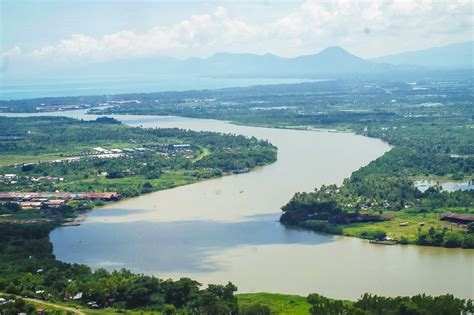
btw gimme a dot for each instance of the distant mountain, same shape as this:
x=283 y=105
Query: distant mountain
x=452 y=56
x=332 y=62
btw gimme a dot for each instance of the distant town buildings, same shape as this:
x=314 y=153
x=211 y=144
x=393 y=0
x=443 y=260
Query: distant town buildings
x=31 y=201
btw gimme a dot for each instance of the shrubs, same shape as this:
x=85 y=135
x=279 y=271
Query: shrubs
x=373 y=304
x=457 y=176
x=418 y=304
x=403 y=240
x=147 y=188
x=468 y=241
x=322 y=226
x=373 y=234
x=438 y=237
x=17 y=306
x=452 y=239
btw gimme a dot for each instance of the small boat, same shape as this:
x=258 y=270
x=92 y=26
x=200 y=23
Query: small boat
x=384 y=242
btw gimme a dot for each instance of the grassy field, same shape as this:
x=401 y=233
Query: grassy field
x=203 y=152
x=279 y=303
x=23 y=215
x=404 y=224
x=48 y=307
x=14 y=158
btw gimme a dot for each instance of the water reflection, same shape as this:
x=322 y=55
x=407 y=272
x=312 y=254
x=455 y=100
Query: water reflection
x=168 y=247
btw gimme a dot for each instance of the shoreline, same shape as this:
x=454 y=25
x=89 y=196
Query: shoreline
x=256 y=125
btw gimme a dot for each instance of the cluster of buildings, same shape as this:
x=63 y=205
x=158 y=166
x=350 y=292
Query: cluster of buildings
x=60 y=107
x=370 y=205
x=121 y=102
x=457 y=218
x=12 y=179
x=8 y=178
x=99 y=152
x=102 y=153
x=31 y=201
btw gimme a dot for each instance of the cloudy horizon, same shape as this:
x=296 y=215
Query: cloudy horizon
x=90 y=31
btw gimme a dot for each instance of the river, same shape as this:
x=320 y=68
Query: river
x=226 y=229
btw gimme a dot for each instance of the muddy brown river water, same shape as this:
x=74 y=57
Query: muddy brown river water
x=226 y=229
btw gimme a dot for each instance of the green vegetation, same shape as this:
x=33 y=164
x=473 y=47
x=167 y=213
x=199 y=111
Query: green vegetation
x=17 y=304
x=428 y=122
x=41 y=138
x=431 y=139
x=98 y=156
x=386 y=186
x=373 y=304
x=267 y=303
x=339 y=210
x=105 y=155
x=270 y=303
x=29 y=268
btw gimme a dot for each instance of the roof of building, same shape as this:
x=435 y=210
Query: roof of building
x=457 y=216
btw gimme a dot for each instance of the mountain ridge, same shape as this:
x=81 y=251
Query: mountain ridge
x=458 y=55
x=331 y=62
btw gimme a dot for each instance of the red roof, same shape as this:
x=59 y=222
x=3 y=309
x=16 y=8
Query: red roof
x=457 y=216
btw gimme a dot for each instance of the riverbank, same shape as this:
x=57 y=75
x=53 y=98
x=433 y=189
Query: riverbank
x=426 y=141
x=243 y=234
x=106 y=156
x=407 y=223
x=412 y=221
x=268 y=304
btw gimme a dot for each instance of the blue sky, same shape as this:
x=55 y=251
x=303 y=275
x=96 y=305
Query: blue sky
x=83 y=31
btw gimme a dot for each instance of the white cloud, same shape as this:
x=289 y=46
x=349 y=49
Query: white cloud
x=196 y=32
x=11 y=53
x=6 y=56
x=365 y=27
